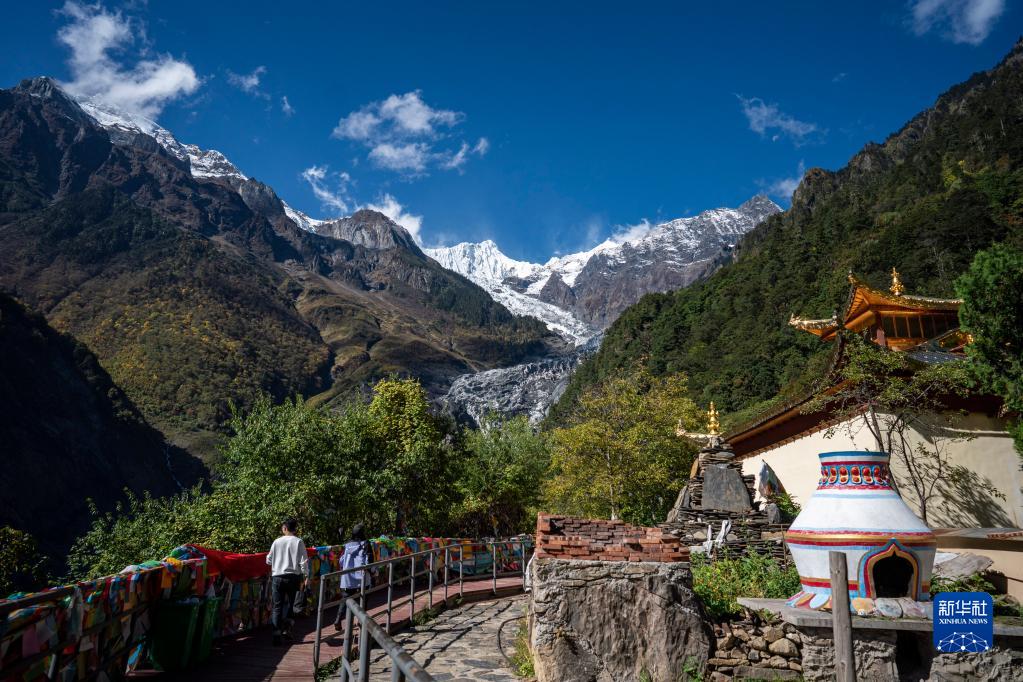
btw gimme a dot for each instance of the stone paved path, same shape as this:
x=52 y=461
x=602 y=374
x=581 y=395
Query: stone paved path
x=460 y=645
x=250 y=658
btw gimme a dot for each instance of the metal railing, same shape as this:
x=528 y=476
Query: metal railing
x=403 y=666
x=426 y=561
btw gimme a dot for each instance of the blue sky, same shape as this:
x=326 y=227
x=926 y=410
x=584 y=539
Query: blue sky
x=544 y=129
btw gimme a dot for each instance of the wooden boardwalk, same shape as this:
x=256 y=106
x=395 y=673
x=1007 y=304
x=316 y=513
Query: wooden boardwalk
x=252 y=657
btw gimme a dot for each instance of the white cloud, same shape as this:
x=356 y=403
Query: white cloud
x=839 y=77
x=248 y=82
x=411 y=157
x=462 y=155
x=782 y=188
x=332 y=189
x=764 y=117
x=391 y=208
x=405 y=134
x=459 y=158
x=632 y=233
x=961 y=21
x=286 y=106
x=93 y=34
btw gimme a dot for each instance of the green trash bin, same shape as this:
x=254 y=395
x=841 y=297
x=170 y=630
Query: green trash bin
x=207 y=627
x=173 y=632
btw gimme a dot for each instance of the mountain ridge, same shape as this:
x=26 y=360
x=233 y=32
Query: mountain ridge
x=222 y=291
x=945 y=185
x=593 y=286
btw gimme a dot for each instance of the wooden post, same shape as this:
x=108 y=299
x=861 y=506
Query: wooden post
x=845 y=662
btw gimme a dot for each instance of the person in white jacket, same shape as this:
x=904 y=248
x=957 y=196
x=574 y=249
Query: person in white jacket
x=289 y=568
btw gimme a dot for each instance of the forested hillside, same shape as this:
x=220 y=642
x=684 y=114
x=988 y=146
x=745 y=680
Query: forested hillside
x=947 y=185
x=68 y=433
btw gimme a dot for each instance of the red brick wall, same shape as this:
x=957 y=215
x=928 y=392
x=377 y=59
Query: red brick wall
x=567 y=537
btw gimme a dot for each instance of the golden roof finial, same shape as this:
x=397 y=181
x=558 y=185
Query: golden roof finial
x=896 y=287
x=713 y=427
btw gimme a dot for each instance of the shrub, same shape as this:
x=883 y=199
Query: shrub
x=22 y=567
x=719 y=583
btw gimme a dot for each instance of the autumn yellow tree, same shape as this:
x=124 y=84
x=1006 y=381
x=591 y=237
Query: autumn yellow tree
x=618 y=455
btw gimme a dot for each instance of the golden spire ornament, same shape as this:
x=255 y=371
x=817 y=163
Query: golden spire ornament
x=713 y=427
x=896 y=287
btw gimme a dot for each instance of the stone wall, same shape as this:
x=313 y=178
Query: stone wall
x=750 y=647
x=566 y=537
x=890 y=656
x=616 y=621
x=753 y=648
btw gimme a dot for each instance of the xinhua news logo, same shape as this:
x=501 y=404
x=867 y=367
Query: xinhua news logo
x=963 y=622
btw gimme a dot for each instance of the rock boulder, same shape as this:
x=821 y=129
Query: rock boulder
x=616 y=621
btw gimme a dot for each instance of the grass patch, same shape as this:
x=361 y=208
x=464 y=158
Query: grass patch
x=328 y=671
x=719 y=583
x=522 y=658
x=425 y=615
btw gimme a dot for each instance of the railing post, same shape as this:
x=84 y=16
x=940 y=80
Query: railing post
x=346 y=647
x=363 y=648
x=493 y=555
x=319 y=627
x=461 y=567
x=362 y=589
x=412 y=589
x=390 y=593
x=447 y=560
x=522 y=545
x=429 y=600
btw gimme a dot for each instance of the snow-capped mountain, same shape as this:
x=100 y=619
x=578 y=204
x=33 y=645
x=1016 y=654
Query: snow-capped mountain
x=124 y=127
x=484 y=264
x=589 y=289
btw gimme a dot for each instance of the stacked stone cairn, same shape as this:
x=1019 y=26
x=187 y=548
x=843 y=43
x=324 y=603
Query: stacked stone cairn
x=718 y=492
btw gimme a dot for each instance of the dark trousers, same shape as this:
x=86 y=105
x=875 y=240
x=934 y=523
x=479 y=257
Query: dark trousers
x=345 y=594
x=283 y=589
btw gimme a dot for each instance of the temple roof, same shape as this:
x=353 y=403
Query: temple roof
x=865 y=301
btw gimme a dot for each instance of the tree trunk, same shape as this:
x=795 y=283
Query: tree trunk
x=875 y=428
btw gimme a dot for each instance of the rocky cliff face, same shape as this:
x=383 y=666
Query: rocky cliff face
x=370 y=229
x=671 y=256
x=529 y=388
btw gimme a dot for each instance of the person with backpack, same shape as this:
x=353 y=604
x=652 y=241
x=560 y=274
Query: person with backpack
x=357 y=552
x=289 y=569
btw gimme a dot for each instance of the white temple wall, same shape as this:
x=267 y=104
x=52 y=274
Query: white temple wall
x=980 y=444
